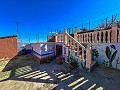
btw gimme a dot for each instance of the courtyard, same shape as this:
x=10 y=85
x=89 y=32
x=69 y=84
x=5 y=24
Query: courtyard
x=25 y=73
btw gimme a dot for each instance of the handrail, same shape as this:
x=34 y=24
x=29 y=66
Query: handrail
x=75 y=40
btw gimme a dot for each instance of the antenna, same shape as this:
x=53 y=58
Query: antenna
x=72 y=29
x=17 y=26
x=29 y=38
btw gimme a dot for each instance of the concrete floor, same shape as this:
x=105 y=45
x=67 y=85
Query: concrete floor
x=59 y=77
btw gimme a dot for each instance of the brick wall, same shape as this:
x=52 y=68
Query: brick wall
x=8 y=47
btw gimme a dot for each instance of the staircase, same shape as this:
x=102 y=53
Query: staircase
x=84 y=53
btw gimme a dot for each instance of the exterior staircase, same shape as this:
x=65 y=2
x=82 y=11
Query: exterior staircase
x=84 y=53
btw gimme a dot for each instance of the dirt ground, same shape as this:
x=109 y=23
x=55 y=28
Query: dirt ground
x=26 y=74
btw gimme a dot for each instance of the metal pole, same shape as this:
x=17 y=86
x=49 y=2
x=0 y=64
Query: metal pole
x=43 y=37
x=57 y=30
x=69 y=30
x=106 y=23
x=51 y=31
x=72 y=29
x=38 y=36
x=89 y=25
x=29 y=38
x=112 y=20
x=82 y=26
x=17 y=26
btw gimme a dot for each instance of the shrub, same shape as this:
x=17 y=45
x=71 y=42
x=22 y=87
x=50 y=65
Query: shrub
x=75 y=63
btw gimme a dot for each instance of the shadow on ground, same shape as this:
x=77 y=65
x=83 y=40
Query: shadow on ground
x=27 y=69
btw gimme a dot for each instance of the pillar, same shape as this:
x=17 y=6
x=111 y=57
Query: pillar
x=104 y=36
x=87 y=38
x=95 y=37
x=100 y=37
x=114 y=35
x=82 y=38
x=108 y=36
x=75 y=35
x=88 y=56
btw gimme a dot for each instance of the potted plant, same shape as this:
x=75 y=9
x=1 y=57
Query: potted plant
x=47 y=59
x=60 y=60
x=74 y=64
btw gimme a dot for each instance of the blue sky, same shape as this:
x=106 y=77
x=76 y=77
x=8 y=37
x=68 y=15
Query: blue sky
x=39 y=15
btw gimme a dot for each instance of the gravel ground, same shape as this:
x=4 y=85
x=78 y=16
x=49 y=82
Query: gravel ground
x=27 y=74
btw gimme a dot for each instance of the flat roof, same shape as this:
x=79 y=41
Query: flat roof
x=8 y=36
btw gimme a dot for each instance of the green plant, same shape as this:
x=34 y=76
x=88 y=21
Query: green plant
x=47 y=60
x=83 y=65
x=74 y=63
x=95 y=54
x=111 y=56
x=68 y=59
x=105 y=63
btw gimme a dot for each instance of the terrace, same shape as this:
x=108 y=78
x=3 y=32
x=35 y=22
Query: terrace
x=25 y=73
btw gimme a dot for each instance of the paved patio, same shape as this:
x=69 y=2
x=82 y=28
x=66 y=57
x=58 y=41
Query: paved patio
x=59 y=77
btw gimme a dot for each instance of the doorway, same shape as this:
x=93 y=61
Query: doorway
x=58 y=50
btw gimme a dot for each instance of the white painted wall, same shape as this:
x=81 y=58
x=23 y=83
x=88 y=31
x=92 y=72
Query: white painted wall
x=36 y=47
x=42 y=48
x=101 y=48
x=28 y=46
